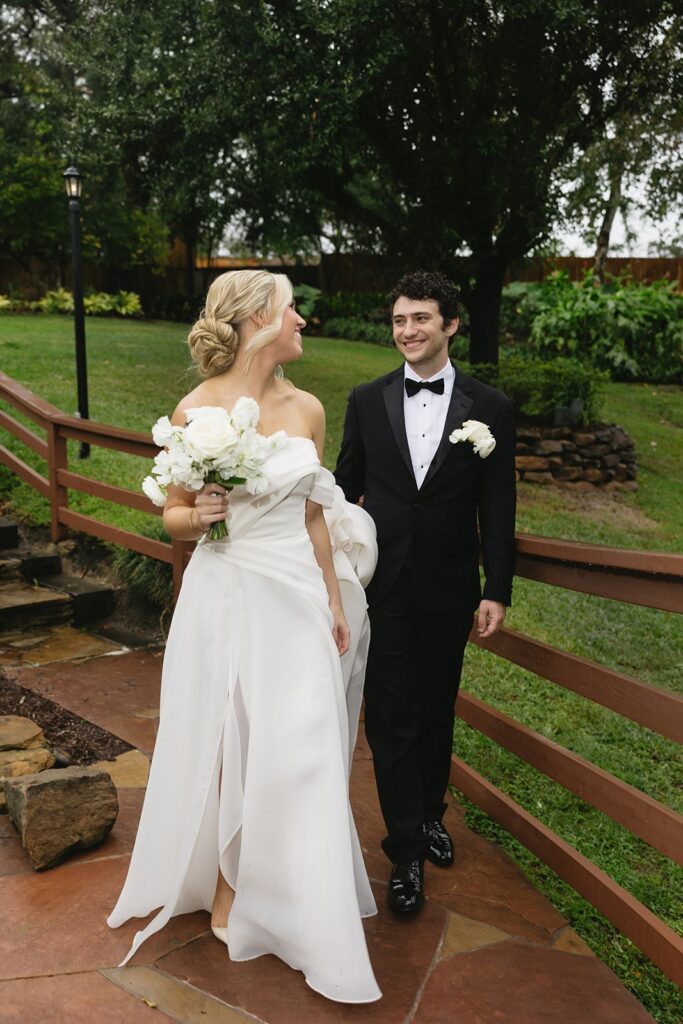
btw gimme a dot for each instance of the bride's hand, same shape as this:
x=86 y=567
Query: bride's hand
x=340 y=631
x=211 y=505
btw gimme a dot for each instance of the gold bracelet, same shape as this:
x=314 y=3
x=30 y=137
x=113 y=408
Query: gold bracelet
x=192 y=526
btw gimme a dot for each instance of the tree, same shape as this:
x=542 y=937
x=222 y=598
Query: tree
x=39 y=89
x=158 y=106
x=638 y=162
x=30 y=163
x=440 y=130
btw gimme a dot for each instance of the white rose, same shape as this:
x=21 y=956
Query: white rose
x=458 y=435
x=164 y=433
x=478 y=434
x=176 y=467
x=153 y=491
x=245 y=414
x=277 y=440
x=476 y=431
x=257 y=485
x=163 y=468
x=209 y=433
x=485 y=447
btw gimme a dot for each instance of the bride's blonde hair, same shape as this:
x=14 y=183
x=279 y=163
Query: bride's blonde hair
x=232 y=299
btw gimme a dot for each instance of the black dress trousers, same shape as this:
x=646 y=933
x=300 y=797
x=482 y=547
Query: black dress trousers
x=412 y=680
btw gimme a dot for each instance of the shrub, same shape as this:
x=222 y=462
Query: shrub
x=633 y=331
x=57 y=301
x=99 y=304
x=537 y=386
x=370 y=306
x=127 y=304
x=179 y=308
x=95 y=303
x=521 y=301
x=358 y=330
x=306 y=297
x=147 y=577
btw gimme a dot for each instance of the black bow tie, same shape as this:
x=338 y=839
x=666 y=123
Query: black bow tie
x=413 y=386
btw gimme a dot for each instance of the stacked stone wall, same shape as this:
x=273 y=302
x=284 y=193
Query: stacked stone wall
x=580 y=458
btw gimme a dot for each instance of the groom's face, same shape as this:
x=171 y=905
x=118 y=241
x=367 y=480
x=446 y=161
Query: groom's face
x=420 y=334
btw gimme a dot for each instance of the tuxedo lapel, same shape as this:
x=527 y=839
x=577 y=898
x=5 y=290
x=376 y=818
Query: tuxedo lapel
x=393 y=399
x=458 y=408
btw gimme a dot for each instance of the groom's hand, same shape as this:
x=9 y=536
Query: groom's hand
x=491 y=618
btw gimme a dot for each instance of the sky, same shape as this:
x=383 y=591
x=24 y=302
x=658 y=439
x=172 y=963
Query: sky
x=648 y=234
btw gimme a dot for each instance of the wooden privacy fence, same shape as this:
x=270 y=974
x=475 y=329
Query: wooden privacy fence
x=638 y=577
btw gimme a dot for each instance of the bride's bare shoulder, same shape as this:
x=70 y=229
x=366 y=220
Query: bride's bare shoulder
x=198 y=396
x=310 y=411
x=307 y=403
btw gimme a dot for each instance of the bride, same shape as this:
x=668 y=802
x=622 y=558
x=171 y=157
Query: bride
x=247 y=811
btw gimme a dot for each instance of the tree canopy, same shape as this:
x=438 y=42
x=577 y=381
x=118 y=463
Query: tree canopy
x=439 y=133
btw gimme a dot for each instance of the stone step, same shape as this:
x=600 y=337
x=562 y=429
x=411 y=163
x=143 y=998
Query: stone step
x=9 y=534
x=17 y=564
x=23 y=605
x=10 y=567
x=37 y=567
x=90 y=600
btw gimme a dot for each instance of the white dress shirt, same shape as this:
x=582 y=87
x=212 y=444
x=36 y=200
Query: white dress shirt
x=425 y=417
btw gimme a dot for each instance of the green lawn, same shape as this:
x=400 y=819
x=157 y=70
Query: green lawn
x=138 y=371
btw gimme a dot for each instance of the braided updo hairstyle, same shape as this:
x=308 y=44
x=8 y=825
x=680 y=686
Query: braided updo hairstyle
x=232 y=298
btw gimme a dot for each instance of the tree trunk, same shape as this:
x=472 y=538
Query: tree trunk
x=483 y=304
x=206 y=273
x=602 y=245
x=190 y=240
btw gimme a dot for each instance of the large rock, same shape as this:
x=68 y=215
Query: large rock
x=17 y=733
x=61 y=811
x=22 y=750
x=532 y=462
x=24 y=762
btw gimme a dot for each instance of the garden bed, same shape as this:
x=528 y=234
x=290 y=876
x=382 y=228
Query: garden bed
x=80 y=741
x=580 y=458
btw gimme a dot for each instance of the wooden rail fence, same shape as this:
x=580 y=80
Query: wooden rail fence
x=638 y=577
x=61 y=428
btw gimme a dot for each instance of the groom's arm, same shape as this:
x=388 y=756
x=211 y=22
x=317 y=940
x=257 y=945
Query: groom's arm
x=350 y=469
x=497 y=504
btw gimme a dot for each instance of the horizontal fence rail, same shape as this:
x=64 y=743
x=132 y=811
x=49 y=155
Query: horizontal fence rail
x=61 y=428
x=637 y=577
x=647 y=818
x=656 y=709
x=644 y=578
x=659 y=942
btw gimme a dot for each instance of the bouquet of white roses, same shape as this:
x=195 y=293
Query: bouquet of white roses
x=214 y=447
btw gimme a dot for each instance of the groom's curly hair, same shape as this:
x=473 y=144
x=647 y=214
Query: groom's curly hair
x=428 y=284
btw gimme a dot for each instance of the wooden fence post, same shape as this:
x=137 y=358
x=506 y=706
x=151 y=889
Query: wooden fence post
x=59 y=495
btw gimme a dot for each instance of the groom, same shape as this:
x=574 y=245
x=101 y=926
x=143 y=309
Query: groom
x=436 y=505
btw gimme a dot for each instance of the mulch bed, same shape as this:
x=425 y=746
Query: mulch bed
x=81 y=741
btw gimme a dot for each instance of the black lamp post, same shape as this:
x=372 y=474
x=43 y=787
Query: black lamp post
x=73 y=183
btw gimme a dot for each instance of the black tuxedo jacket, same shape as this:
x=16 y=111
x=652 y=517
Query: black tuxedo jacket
x=466 y=503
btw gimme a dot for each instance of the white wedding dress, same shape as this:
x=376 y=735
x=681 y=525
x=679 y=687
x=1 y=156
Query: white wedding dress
x=257 y=723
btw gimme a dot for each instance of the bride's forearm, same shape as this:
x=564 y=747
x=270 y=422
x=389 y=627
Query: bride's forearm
x=181 y=522
x=320 y=539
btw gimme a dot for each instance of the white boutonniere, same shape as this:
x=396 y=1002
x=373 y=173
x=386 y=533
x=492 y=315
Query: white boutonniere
x=478 y=434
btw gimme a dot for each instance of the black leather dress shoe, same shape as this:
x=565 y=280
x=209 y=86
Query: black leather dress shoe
x=440 y=849
x=405 y=887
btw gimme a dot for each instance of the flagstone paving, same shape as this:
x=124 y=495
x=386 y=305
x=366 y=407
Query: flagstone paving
x=487 y=948
x=53 y=643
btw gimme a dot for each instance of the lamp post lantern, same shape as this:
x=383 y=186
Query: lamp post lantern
x=73 y=182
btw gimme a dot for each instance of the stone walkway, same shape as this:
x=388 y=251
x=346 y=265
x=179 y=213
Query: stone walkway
x=486 y=949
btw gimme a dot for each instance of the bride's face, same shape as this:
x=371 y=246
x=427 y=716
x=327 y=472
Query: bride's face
x=288 y=342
